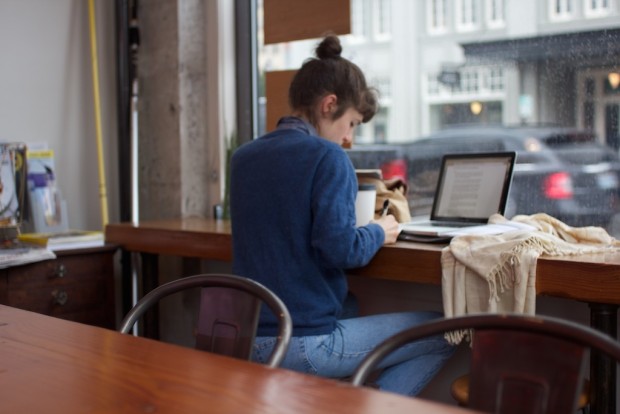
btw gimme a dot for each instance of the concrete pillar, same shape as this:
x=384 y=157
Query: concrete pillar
x=178 y=169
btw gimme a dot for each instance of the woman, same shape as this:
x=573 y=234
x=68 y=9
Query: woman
x=293 y=224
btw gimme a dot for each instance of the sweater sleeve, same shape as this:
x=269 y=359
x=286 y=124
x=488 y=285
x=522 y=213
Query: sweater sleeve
x=338 y=243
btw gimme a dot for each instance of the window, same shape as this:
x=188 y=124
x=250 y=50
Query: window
x=437 y=18
x=469 y=81
x=371 y=18
x=553 y=73
x=597 y=8
x=384 y=86
x=467 y=15
x=494 y=79
x=561 y=10
x=495 y=14
x=358 y=21
x=382 y=19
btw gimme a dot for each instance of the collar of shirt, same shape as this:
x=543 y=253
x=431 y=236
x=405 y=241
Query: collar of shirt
x=292 y=122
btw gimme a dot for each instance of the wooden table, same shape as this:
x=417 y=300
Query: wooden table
x=591 y=278
x=49 y=365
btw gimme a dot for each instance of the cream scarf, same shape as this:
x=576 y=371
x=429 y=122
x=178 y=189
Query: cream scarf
x=497 y=273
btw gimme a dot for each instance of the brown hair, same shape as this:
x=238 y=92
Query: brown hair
x=330 y=73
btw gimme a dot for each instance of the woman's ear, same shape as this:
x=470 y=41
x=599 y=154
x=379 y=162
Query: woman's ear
x=329 y=105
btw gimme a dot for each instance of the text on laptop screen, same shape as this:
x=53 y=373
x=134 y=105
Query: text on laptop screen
x=472 y=187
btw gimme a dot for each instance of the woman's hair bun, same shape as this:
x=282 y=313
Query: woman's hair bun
x=329 y=48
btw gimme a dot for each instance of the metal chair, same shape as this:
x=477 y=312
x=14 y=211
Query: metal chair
x=229 y=312
x=519 y=363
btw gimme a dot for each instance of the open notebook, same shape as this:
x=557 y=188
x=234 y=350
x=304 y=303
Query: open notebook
x=471 y=187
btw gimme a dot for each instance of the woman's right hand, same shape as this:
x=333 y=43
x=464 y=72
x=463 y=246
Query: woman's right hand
x=390 y=228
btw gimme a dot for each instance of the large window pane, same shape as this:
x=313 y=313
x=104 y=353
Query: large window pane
x=541 y=79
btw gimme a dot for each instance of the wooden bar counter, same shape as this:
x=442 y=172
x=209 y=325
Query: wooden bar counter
x=588 y=278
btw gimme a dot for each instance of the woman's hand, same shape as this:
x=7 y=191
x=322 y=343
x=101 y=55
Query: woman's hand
x=390 y=228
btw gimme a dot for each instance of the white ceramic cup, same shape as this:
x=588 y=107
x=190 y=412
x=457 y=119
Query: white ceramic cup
x=365 y=204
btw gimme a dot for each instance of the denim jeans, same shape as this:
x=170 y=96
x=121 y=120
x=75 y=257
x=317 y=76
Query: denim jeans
x=337 y=355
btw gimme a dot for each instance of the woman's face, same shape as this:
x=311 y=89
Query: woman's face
x=340 y=130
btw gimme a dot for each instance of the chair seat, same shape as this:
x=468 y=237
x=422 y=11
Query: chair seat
x=460 y=392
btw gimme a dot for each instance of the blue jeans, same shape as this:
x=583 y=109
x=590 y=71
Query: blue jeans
x=337 y=355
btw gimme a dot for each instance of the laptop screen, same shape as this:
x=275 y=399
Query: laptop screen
x=472 y=187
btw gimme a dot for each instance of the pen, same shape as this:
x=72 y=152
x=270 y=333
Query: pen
x=384 y=211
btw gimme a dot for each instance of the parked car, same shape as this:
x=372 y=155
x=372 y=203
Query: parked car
x=390 y=159
x=563 y=172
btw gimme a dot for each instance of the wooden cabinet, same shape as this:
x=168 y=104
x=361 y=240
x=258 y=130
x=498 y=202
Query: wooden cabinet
x=78 y=285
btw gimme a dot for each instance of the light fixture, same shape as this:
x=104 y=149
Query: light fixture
x=475 y=107
x=614 y=79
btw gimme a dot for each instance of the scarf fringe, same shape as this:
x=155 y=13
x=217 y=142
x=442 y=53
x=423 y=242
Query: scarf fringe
x=502 y=277
x=455 y=337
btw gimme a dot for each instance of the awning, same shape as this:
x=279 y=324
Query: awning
x=600 y=44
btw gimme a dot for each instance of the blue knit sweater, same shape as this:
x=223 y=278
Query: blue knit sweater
x=293 y=224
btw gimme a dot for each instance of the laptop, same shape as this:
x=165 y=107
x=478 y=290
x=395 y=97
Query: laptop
x=471 y=187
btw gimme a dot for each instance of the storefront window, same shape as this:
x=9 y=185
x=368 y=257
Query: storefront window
x=524 y=75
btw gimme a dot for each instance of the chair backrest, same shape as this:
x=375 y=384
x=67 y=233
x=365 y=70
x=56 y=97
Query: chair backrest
x=229 y=312
x=519 y=363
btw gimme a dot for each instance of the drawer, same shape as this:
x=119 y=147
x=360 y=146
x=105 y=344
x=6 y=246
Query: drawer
x=75 y=286
x=62 y=271
x=56 y=299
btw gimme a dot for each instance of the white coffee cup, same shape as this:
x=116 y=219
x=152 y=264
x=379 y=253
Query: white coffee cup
x=365 y=204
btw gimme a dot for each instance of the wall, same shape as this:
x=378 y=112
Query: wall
x=46 y=95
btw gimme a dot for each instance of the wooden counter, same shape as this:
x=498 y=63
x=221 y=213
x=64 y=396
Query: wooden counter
x=588 y=278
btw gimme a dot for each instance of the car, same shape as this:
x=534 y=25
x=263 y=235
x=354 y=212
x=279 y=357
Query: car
x=389 y=159
x=564 y=172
